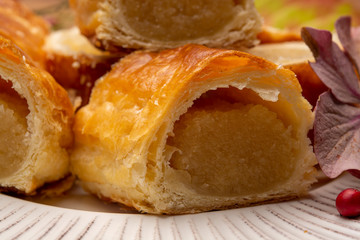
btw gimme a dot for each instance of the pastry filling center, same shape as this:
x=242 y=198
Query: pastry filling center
x=13 y=130
x=175 y=20
x=226 y=148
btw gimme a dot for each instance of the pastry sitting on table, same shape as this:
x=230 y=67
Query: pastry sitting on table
x=194 y=129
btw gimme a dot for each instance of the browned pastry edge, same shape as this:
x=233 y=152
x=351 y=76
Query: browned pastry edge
x=274 y=35
x=49 y=189
x=131 y=209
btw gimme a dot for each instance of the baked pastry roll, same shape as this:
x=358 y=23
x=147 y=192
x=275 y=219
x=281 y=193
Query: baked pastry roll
x=159 y=24
x=35 y=130
x=74 y=62
x=24 y=28
x=194 y=129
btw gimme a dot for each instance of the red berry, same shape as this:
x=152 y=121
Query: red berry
x=348 y=202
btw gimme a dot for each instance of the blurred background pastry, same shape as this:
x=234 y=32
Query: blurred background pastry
x=156 y=25
x=75 y=63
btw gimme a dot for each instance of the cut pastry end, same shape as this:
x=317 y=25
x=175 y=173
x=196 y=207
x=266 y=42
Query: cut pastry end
x=234 y=151
x=18 y=154
x=176 y=20
x=250 y=141
x=13 y=133
x=14 y=137
x=157 y=24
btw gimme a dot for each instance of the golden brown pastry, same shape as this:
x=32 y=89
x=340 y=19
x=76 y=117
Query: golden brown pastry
x=294 y=56
x=159 y=24
x=35 y=130
x=24 y=28
x=270 y=34
x=74 y=62
x=194 y=129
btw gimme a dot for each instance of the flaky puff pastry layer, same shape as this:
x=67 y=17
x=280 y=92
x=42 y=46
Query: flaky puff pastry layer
x=23 y=27
x=158 y=24
x=194 y=129
x=36 y=117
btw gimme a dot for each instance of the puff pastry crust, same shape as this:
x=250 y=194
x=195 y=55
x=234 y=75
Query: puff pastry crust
x=194 y=129
x=158 y=24
x=24 y=28
x=36 y=117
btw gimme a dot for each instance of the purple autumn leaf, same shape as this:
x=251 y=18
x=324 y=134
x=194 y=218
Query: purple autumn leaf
x=337 y=135
x=333 y=66
x=343 y=29
x=337 y=113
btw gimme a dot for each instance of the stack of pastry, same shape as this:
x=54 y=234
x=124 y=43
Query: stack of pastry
x=190 y=128
x=182 y=124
